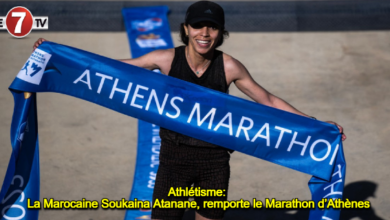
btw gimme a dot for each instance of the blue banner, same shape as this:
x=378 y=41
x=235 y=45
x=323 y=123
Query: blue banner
x=300 y=143
x=147 y=29
x=323 y=191
x=21 y=181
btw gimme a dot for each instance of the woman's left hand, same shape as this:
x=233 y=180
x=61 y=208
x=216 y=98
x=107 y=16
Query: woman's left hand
x=343 y=137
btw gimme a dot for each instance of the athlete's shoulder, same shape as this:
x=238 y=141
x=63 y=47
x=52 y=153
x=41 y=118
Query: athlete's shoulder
x=162 y=56
x=164 y=52
x=231 y=64
x=163 y=59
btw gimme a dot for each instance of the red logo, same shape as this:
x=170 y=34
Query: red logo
x=19 y=21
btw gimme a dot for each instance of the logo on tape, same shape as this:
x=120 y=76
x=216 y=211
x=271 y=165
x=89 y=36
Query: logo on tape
x=150 y=41
x=147 y=25
x=34 y=68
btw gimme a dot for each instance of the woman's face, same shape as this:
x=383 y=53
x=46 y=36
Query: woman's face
x=202 y=36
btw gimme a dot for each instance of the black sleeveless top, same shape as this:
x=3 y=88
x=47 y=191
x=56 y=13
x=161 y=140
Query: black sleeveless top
x=213 y=78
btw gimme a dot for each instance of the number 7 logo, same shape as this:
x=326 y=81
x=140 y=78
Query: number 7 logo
x=18 y=28
x=19 y=22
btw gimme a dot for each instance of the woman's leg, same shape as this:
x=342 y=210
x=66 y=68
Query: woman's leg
x=173 y=173
x=213 y=175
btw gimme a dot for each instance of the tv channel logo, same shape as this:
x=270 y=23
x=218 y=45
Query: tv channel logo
x=19 y=22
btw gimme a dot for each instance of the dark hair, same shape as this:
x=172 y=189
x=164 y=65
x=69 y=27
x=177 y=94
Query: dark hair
x=184 y=37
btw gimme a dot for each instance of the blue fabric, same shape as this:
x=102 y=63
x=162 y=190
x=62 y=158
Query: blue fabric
x=290 y=140
x=333 y=189
x=22 y=178
x=147 y=29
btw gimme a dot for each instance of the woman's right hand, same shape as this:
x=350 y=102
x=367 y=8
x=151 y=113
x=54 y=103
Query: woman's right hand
x=38 y=42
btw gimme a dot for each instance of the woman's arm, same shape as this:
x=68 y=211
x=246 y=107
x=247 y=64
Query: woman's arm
x=158 y=59
x=237 y=73
x=245 y=83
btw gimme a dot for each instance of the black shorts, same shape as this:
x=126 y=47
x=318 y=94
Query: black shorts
x=182 y=166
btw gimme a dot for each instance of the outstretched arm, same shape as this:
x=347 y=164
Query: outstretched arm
x=237 y=73
x=158 y=59
x=246 y=84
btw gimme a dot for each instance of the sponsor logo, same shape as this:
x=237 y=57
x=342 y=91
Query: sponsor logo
x=147 y=25
x=208 y=11
x=19 y=22
x=33 y=69
x=150 y=41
